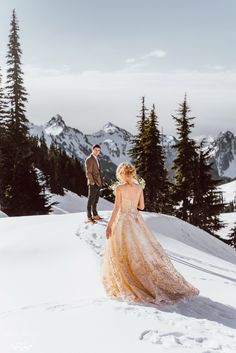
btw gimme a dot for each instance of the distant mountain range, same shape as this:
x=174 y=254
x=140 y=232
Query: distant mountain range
x=116 y=141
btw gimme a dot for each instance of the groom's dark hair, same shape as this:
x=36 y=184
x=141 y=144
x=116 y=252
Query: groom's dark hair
x=96 y=146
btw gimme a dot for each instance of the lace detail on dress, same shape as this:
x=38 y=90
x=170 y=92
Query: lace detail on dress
x=135 y=267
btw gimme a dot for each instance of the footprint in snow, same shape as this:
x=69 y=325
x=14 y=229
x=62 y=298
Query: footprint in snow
x=171 y=338
x=94 y=237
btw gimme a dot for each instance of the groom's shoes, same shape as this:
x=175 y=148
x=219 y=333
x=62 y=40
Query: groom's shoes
x=97 y=217
x=91 y=220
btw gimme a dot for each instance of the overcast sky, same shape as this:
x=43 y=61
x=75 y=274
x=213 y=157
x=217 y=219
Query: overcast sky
x=91 y=61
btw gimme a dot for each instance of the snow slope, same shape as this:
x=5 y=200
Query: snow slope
x=71 y=202
x=2 y=214
x=52 y=299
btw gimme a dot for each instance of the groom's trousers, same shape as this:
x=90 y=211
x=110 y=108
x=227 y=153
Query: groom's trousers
x=93 y=196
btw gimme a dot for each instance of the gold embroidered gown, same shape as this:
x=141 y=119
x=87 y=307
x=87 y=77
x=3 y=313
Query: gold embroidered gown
x=135 y=267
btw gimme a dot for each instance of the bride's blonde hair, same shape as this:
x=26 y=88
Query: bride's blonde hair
x=126 y=169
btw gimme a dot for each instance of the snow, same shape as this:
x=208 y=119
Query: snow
x=2 y=214
x=52 y=298
x=55 y=126
x=208 y=138
x=115 y=143
x=229 y=191
x=229 y=220
x=230 y=172
x=110 y=128
x=71 y=202
x=53 y=129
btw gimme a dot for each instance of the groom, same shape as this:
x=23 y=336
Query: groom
x=94 y=182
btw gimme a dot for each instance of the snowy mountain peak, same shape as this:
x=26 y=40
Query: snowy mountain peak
x=110 y=128
x=228 y=135
x=225 y=153
x=55 y=125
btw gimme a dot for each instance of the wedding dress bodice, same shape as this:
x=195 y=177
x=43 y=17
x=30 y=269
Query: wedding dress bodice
x=129 y=202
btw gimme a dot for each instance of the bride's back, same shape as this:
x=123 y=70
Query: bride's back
x=130 y=195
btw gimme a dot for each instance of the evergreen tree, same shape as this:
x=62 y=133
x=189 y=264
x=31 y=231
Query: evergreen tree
x=44 y=156
x=60 y=171
x=23 y=194
x=56 y=182
x=136 y=152
x=232 y=237
x=183 y=164
x=16 y=91
x=3 y=140
x=107 y=192
x=157 y=196
x=207 y=200
x=81 y=187
x=3 y=107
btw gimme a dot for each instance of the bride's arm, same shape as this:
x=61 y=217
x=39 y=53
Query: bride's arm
x=141 y=201
x=115 y=210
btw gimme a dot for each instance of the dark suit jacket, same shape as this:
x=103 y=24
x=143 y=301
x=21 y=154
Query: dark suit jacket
x=92 y=171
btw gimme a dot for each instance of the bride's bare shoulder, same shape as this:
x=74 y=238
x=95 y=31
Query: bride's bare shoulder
x=138 y=186
x=117 y=187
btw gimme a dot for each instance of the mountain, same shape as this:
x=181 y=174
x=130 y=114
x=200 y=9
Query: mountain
x=224 y=154
x=115 y=143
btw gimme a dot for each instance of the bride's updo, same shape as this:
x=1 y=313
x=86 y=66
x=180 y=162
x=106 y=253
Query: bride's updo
x=126 y=169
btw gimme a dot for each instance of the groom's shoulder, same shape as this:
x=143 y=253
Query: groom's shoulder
x=88 y=158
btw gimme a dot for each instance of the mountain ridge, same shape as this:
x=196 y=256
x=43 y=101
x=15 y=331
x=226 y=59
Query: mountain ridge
x=115 y=143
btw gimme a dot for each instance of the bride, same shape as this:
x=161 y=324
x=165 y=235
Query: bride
x=135 y=267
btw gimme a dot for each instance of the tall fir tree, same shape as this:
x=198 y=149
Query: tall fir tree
x=157 y=194
x=184 y=162
x=3 y=107
x=55 y=170
x=207 y=201
x=23 y=193
x=2 y=136
x=136 y=152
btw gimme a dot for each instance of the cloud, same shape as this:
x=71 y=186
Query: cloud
x=215 y=67
x=144 y=61
x=115 y=95
x=130 y=61
x=155 y=54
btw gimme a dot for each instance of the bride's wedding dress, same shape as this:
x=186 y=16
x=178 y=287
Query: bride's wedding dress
x=135 y=267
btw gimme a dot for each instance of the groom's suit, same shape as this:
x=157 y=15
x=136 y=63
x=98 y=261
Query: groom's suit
x=94 y=181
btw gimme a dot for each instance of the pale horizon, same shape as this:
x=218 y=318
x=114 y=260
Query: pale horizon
x=91 y=62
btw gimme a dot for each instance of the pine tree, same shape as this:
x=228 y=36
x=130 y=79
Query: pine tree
x=232 y=236
x=184 y=162
x=207 y=200
x=3 y=140
x=55 y=170
x=137 y=150
x=3 y=107
x=23 y=194
x=16 y=91
x=81 y=180
x=157 y=197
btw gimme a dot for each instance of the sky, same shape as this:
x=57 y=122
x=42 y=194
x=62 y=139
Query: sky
x=91 y=61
